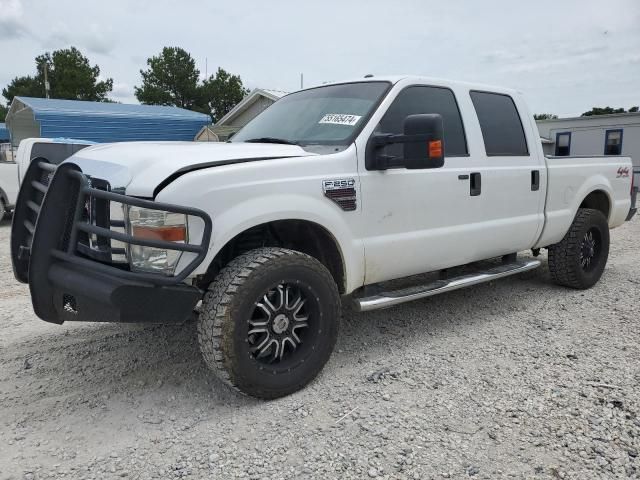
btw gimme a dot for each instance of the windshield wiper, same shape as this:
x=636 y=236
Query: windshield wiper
x=270 y=140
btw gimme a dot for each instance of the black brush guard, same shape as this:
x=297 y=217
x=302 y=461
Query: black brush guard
x=74 y=279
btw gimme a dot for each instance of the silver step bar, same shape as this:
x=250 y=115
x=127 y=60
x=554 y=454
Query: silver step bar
x=396 y=297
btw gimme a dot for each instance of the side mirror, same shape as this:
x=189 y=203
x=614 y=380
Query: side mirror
x=422 y=140
x=428 y=153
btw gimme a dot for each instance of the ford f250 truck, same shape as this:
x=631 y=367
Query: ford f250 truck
x=324 y=197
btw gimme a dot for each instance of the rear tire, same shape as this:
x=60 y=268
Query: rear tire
x=269 y=322
x=578 y=260
x=3 y=210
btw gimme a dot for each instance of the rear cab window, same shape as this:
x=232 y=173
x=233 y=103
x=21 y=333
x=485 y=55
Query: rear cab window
x=500 y=123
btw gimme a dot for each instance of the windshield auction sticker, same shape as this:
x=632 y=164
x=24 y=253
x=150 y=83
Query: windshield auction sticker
x=340 y=119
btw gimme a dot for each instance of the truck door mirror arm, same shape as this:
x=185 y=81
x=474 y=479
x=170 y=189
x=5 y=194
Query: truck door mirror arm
x=423 y=143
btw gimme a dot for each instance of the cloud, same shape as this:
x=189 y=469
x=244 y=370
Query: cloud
x=92 y=38
x=59 y=37
x=11 y=20
x=563 y=61
x=122 y=90
x=98 y=40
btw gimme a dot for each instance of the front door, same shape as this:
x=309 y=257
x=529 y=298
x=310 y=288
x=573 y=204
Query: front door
x=415 y=221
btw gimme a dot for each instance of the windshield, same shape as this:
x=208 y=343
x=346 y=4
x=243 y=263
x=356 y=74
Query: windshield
x=331 y=115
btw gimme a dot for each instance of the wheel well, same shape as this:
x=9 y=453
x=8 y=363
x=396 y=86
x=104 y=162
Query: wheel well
x=598 y=200
x=300 y=235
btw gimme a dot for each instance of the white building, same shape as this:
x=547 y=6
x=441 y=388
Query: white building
x=617 y=134
x=245 y=111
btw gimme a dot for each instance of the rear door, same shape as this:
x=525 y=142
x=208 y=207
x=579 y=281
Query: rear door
x=512 y=175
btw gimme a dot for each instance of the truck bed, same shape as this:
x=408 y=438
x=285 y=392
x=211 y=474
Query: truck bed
x=572 y=178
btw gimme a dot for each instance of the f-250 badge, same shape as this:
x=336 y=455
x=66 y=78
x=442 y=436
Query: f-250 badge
x=623 y=172
x=342 y=191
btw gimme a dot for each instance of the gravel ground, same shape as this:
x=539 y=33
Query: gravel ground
x=517 y=378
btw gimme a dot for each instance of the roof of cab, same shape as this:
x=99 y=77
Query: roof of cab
x=422 y=79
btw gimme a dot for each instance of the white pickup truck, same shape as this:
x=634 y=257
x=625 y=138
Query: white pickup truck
x=52 y=150
x=8 y=186
x=322 y=198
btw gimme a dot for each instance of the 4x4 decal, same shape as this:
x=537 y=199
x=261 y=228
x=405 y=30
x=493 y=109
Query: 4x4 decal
x=623 y=172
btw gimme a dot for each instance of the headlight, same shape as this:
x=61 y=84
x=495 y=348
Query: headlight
x=155 y=225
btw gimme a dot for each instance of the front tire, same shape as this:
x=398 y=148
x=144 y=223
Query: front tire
x=269 y=321
x=578 y=260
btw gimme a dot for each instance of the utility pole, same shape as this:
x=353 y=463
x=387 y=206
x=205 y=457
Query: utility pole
x=46 y=79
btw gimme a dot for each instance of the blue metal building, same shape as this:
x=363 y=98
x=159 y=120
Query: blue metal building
x=100 y=122
x=4 y=133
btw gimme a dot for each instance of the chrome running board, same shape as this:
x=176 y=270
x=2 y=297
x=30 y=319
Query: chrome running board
x=396 y=297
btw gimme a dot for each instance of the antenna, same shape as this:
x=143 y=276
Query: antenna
x=301 y=81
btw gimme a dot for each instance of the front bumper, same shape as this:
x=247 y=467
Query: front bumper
x=65 y=281
x=86 y=296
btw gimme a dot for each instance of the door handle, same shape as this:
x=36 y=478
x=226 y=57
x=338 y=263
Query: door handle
x=475 y=185
x=535 y=180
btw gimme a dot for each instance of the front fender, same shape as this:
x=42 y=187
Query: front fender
x=239 y=197
x=257 y=211
x=238 y=217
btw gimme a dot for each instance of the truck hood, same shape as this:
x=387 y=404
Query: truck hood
x=143 y=168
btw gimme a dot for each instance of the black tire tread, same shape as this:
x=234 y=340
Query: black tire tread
x=214 y=322
x=561 y=258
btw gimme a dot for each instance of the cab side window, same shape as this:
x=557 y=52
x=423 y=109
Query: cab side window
x=417 y=100
x=500 y=124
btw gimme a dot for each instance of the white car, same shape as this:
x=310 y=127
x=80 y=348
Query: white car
x=322 y=198
x=8 y=185
x=52 y=150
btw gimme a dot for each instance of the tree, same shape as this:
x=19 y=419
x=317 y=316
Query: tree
x=24 y=86
x=634 y=109
x=70 y=76
x=3 y=112
x=544 y=116
x=171 y=79
x=603 y=111
x=220 y=93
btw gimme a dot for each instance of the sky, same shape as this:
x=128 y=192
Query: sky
x=566 y=56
